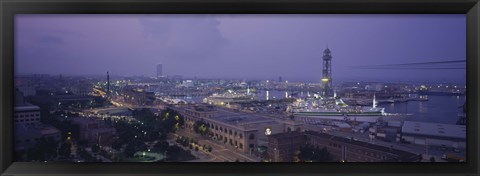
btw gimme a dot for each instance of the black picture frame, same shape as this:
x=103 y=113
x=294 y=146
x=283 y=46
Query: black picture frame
x=8 y=8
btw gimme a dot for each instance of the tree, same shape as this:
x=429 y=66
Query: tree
x=161 y=146
x=200 y=127
x=65 y=150
x=43 y=150
x=117 y=144
x=95 y=148
x=139 y=145
x=129 y=150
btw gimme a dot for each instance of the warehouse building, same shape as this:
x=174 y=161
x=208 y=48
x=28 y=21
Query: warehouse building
x=434 y=134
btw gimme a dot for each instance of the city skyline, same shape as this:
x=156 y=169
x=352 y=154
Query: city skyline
x=239 y=46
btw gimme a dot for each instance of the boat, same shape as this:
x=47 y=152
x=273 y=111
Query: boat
x=333 y=106
x=229 y=97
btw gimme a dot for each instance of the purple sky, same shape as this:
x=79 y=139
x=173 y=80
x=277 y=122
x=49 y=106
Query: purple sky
x=239 y=46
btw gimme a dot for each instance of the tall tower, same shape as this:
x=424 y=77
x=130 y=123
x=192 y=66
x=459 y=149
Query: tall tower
x=326 y=81
x=159 y=70
x=108 y=85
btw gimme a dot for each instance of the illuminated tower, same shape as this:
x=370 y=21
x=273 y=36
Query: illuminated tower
x=326 y=83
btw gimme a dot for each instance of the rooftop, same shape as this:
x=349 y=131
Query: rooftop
x=85 y=120
x=435 y=129
x=46 y=130
x=391 y=150
x=26 y=131
x=241 y=119
x=286 y=136
x=27 y=108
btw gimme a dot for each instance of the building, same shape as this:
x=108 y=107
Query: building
x=94 y=131
x=159 y=70
x=24 y=112
x=177 y=78
x=342 y=149
x=28 y=128
x=243 y=132
x=26 y=136
x=187 y=83
x=282 y=146
x=27 y=115
x=138 y=97
x=434 y=134
x=351 y=150
x=72 y=101
x=82 y=89
x=28 y=90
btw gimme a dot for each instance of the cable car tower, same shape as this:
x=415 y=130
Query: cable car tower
x=326 y=81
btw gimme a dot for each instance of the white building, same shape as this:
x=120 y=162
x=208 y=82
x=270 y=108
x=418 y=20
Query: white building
x=27 y=115
x=434 y=134
x=187 y=83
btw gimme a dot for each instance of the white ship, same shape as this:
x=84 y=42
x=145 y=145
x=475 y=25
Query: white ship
x=229 y=97
x=332 y=107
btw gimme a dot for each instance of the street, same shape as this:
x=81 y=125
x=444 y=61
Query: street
x=220 y=153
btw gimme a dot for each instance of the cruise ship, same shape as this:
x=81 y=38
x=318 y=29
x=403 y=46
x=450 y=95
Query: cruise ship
x=333 y=106
x=229 y=97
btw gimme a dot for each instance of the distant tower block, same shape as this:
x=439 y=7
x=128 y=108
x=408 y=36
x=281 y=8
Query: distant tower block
x=326 y=81
x=159 y=70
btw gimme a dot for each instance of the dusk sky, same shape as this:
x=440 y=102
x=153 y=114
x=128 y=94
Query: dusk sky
x=239 y=46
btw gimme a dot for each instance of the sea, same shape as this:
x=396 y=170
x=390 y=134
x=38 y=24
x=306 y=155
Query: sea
x=438 y=109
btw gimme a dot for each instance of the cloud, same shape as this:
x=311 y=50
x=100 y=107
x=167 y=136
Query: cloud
x=185 y=37
x=50 y=40
x=156 y=28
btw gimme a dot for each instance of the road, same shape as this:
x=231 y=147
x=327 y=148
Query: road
x=220 y=152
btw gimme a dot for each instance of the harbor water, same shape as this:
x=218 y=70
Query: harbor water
x=438 y=109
